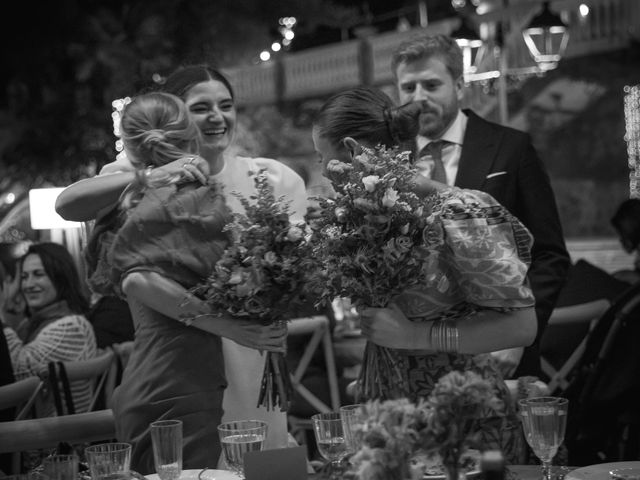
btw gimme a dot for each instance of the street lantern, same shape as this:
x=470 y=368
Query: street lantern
x=546 y=38
x=472 y=46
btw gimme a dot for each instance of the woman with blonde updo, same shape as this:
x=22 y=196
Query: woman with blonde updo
x=173 y=231
x=211 y=103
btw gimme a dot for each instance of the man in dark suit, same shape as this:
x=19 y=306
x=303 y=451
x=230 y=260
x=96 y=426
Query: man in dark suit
x=474 y=153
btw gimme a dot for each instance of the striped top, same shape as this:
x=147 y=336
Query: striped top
x=70 y=338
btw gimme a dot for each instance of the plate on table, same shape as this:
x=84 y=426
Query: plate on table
x=208 y=474
x=599 y=471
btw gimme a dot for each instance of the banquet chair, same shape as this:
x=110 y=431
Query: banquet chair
x=20 y=394
x=564 y=341
x=97 y=369
x=48 y=432
x=122 y=353
x=319 y=328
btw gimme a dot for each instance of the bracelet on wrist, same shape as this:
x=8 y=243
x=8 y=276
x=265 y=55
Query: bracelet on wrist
x=444 y=336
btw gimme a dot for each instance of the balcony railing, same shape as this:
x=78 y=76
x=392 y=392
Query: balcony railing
x=610 y=25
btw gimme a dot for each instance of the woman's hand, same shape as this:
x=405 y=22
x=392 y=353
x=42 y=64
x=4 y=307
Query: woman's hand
x=389 y=327
x=186 y=169
x=252 y=334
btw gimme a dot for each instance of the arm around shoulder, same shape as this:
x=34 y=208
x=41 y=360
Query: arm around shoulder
x=83 y=200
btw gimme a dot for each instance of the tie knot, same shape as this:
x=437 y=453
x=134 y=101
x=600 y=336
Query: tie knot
x=433 y=148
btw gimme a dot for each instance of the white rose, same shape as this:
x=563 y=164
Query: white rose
x=370 y=182
x=389 y=198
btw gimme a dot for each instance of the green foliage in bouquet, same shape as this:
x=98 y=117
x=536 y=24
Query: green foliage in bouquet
x=262 y=272
x=368 y=241
x=261 y=276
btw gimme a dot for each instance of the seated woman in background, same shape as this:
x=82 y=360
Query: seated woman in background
x=57 y=329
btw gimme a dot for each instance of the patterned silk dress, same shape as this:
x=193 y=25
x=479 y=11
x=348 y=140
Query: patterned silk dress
x=478 y=259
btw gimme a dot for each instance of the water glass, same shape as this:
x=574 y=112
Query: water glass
x=544 y=420
x=330 y=439
x=60 y=467
x=239 y=437
x=353 y=416
x=109 y=461
x=166 y=439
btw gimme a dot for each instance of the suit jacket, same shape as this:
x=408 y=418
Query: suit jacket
x=502 y=162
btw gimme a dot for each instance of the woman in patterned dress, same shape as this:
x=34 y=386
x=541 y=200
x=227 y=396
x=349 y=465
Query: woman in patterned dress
x=476 y=299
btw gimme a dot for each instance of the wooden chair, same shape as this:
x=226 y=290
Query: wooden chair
x=122 y=353
x=45 y=433
x=97 y=369
x=21 y=394
x=319 y=328
x=582 y=316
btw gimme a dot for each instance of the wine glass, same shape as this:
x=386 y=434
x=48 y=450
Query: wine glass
x=239 y=437
x=330 y=438
x=352 y=417
x=544 y=420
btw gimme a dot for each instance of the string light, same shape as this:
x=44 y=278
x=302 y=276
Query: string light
x=118 y=105
x=632 y=136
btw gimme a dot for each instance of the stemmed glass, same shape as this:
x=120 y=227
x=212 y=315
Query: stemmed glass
x=240 y=437
x=544 y=420
x=330 y=438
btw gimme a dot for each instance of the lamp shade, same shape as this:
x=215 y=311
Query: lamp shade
x=546 y=38
x=42 y=202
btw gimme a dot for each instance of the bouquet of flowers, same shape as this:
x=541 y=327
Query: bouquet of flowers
x=401 y=439
x=261 y=275
x=457 y=403
x=390 y=436
x=370 y=242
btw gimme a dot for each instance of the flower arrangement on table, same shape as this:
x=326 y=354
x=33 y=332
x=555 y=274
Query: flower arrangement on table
x=261 y=276
x=401 y=439
x=371 y=242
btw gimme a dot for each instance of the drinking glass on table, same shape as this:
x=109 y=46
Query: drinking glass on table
x=166 y=439
x=109 y=461
x=60 y=467
x=330 y=438
x=239 y=437
x=544 y=420
x=353 y=416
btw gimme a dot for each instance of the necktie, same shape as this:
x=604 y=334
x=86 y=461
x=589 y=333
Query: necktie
x=434 y=150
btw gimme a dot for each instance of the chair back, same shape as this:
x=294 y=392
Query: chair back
x=97 y=369
x=319 y=328
x=20 y=394
x=45 y=433
x=565 y=338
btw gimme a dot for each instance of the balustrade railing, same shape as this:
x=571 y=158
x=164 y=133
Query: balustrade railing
x=609 y=25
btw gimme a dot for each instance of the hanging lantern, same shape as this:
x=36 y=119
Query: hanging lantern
x=546 y=38
x=472 y=46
